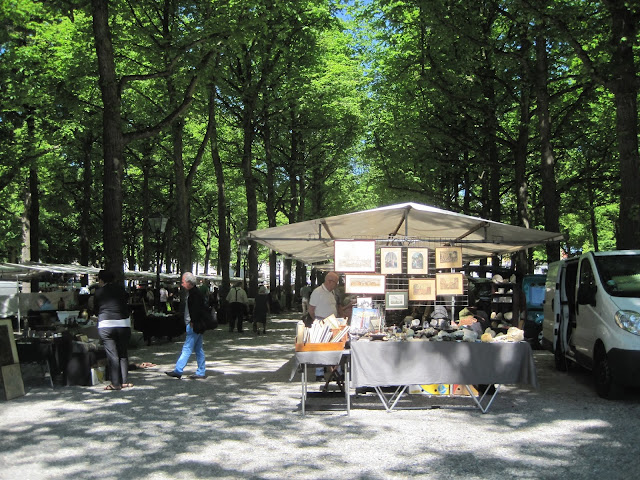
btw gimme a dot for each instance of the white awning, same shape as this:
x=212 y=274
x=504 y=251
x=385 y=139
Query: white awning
x=311 y=241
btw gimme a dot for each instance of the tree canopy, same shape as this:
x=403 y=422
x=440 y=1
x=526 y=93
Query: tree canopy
x=231 y=116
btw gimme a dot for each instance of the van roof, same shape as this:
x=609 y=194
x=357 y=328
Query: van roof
x=615 y=252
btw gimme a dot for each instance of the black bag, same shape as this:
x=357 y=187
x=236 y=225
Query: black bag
x=308 y=321
x=211 y=320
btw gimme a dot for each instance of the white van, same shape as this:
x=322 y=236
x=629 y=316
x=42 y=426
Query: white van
x=592 y=317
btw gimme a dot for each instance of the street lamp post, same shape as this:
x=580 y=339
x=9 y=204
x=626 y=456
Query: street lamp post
x=157 y=224
x=244 y=250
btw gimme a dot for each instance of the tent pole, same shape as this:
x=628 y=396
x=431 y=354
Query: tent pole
x=406 y=223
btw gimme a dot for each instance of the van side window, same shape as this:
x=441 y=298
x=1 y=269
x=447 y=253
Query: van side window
x=586 y=274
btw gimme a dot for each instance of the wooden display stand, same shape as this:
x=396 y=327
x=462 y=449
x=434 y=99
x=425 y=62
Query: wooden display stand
x=11 y=381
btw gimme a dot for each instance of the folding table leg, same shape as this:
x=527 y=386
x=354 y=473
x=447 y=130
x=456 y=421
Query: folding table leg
x=304 y=387
x=46 y=371
x=480 y=398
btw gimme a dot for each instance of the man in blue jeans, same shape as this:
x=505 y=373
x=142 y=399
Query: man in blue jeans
x=195 y=312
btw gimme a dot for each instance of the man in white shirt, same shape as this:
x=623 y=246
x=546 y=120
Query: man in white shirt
x=323 y=301
x=238 y=304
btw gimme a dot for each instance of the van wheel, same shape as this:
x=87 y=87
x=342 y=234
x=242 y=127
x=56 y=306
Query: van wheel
x=605 y=386
x=561 y=361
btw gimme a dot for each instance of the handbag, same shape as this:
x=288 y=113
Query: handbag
x=211 y=320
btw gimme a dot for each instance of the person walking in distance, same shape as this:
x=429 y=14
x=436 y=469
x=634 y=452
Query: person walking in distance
x=195 y=312
x=305 y=293
x=238 y=302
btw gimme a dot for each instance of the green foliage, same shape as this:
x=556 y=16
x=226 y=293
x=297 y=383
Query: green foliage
x=394 y=101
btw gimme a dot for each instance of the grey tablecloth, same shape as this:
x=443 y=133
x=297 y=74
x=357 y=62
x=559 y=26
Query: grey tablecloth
x=319 y=358
x=377 y=363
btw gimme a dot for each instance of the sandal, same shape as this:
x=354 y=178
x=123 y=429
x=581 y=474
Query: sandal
x=112 y=387
x=127 y=385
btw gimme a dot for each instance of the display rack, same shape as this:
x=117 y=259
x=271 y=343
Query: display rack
x=400 y=281
x=502 y=298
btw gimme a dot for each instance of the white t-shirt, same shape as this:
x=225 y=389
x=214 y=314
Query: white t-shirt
x=324 y=301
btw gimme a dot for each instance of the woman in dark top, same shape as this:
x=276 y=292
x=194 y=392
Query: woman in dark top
x=114 y=327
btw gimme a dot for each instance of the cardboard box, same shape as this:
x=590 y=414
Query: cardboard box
x=432 y=389
x=459 y=389
x=319 y=347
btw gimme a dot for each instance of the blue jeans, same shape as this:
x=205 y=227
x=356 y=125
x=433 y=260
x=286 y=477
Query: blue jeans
x=191 y=343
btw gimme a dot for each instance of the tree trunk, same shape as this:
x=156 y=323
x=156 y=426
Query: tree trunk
x=522 y=189
x=85 y=208
x=250 y=189
x=624 y=85
x=113 y=144
x=181 y=210
x=224 y=241
x=550 y=196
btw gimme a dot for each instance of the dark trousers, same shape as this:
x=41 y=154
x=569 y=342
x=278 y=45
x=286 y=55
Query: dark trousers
x=116 y=345
x=236 y=313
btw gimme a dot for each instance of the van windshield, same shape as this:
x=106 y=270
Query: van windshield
x=620 y=274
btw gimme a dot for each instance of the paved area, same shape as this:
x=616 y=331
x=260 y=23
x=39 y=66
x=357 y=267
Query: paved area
x=244 y=421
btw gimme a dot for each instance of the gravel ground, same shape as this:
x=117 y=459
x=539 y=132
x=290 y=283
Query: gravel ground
x=244 y=421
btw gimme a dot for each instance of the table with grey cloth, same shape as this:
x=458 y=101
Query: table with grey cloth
x=381 y=364
x=303 y=360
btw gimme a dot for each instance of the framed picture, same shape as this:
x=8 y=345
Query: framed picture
x=422 y=289
x=449 y=283
x=396 y=300
x=449 y=257
x=418 y=261
x=8 y=349
x=372 y=284
x=364 y=302
x=391 y=260
x=365 y=318
x=355 y=255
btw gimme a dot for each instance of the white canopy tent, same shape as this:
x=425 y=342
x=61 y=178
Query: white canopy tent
x=27 y=271
x=311 y=241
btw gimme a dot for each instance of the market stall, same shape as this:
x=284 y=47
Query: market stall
x=399 y=266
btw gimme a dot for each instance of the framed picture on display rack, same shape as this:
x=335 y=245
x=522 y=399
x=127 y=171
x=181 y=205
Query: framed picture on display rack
x=449 y=283
x=449 y=257
x=418 y=261
x=355 y=255
x=391 y=260
x=396 y=300
x=422 y=289
x=370 y=284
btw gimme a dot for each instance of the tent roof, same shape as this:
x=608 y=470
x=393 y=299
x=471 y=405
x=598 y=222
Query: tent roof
x=311 y=241
x=26 y=271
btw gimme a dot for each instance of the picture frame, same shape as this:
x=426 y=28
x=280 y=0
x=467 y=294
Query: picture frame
x=354 y=255
x=448 y=257
x=449 y=283
x=370 y=284
x=391 y=260
x=422 y=289
x=418 y=261
x=364 y=302
x=365 y=318
x=396 y=300
x=8 y=348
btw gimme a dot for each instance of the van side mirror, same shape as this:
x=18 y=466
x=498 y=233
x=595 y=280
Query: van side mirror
x=587 y=295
